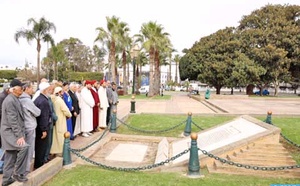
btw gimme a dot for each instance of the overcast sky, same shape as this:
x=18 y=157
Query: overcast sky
x=186 y=21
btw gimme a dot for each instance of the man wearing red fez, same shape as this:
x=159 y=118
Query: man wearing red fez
x=94 y=91
x=103 y=104
x=87 y=109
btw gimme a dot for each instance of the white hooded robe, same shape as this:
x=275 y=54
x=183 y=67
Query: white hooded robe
x=86 y=112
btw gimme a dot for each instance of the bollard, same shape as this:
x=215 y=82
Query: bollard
x=188 y=126
x=66 y=150
x=207 y=94
x=269 y=118
x=113 y=126
x=132 y=108
x=194 y=165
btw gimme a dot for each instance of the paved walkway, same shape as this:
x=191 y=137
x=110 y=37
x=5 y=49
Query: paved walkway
x=182 y=104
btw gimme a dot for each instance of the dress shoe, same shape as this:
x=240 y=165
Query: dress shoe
x=20 y=178
x=9 y=181
x=85 y=135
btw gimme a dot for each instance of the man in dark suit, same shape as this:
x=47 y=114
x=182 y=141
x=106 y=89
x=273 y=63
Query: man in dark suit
x=43 y=125
x=75 y=104
x=13 y=136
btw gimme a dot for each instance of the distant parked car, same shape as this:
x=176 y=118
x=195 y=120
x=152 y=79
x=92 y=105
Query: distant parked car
x=264 y=93
x=195 y=92
x=144 y=89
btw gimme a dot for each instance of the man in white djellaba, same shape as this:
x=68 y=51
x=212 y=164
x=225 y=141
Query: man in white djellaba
x=103 y=104
x=87 y=104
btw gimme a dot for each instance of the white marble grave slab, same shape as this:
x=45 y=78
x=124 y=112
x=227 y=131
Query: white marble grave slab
x=128 y=153
x=221 y=136
x=162 y=151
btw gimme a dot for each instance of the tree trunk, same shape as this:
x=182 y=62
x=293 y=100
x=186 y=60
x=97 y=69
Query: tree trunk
x=38 y=62
x=140 y=76
x=276 y=84
x=124 y=73
x=170 y=70
x=127 y=77
x=151 y=72
x=54 y=71
x=112 y=61
x=157 y=74
x=218 y=89
x=176 y=77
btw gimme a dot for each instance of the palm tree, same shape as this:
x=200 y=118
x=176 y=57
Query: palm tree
x=111 y=38
x=125 y=46
x=169 y=51
x=176 y=60
x=40 y=32
x=164 y=46
x=151 y=38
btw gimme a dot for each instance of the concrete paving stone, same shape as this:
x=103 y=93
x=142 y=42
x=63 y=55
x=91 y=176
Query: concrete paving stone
x=128 y=153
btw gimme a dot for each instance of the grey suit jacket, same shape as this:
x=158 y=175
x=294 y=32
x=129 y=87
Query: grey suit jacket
x=12 y=123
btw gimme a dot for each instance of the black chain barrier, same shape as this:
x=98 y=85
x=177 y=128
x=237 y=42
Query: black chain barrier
x=197 y=126
x=129 y=169
x=275 y=168
x=287 y=139
x=94 y=142
x=290 y=141
x=150 y=131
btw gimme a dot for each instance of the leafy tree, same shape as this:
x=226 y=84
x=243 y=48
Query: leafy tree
x=188 y=66
x=270 y=37
x=218 y=61
x=56 y=54
x=80 y=76
x=8 y=74
x=79 y=57
x=39 y=32
x=98 y=57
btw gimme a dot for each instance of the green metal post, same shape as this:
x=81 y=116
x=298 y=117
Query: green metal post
x=269 y=118
x=66 y=150
x=113 y=126
x=194 y=165
x=207 y=94
x=188 y=126
x=132 y=108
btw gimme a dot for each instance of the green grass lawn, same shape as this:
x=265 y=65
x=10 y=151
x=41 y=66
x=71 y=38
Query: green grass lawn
x=91 y=175
x=154 y=122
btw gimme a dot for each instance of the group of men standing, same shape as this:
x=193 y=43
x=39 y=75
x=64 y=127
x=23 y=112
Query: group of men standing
x=34 y=124
x=98 y=100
